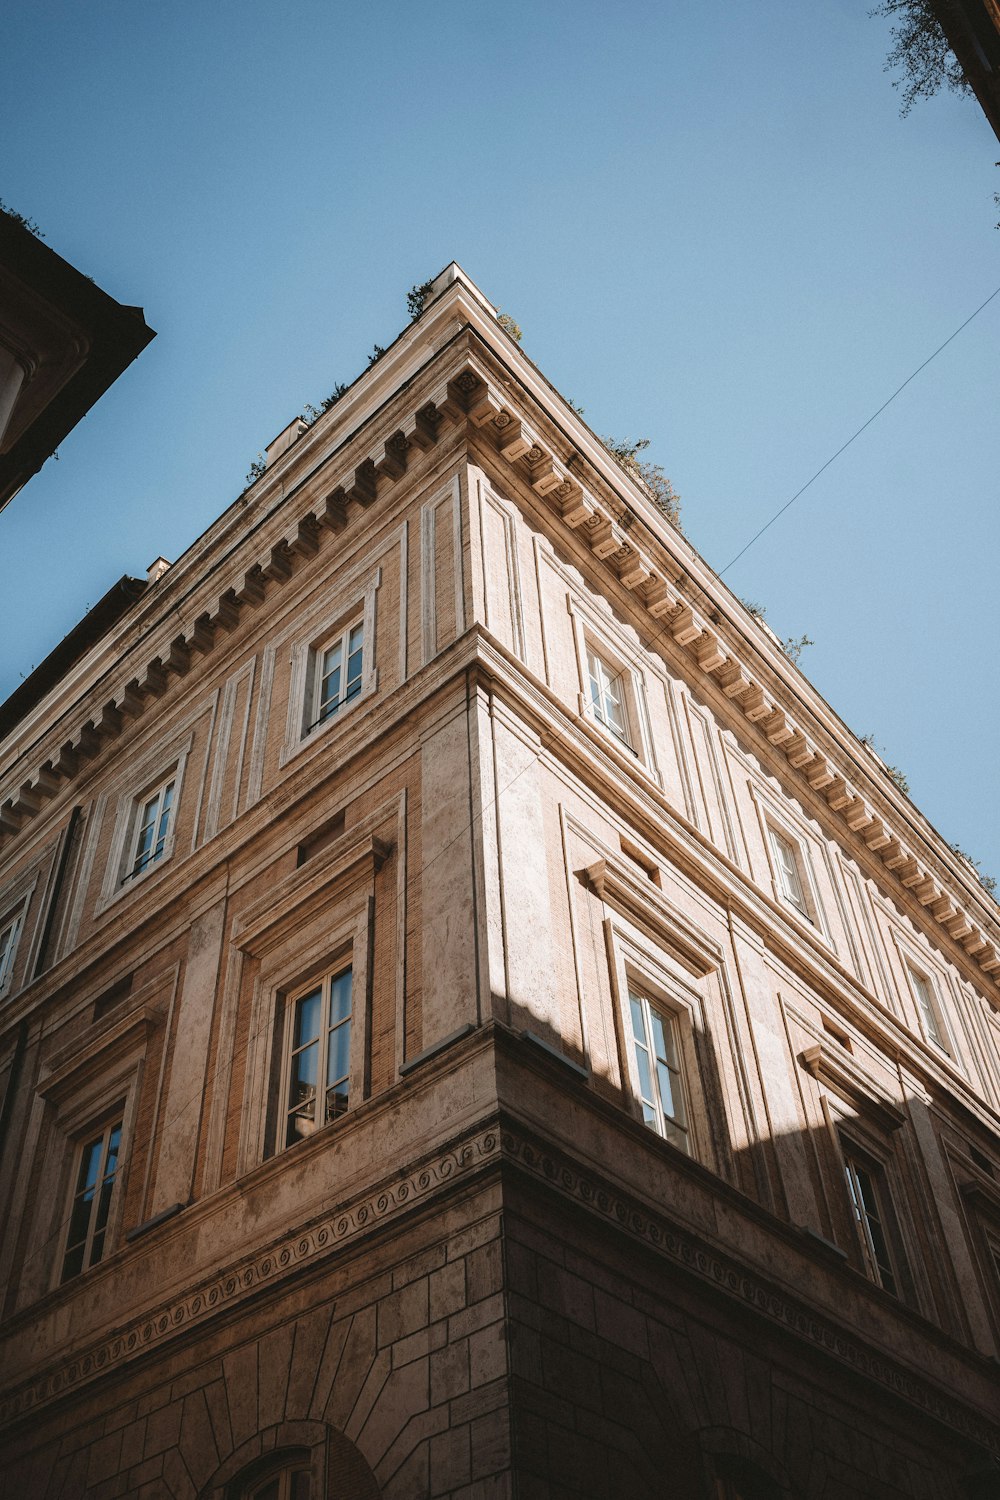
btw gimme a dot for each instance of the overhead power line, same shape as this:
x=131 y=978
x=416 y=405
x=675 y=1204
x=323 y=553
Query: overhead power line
x=788 y=503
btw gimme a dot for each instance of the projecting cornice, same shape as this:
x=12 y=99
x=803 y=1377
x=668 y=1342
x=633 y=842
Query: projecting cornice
x=583 y=488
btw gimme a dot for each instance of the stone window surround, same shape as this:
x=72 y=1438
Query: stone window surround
x=856 y=1146
x=316 y=921
x=151 y=773
x=778 y=819
x=359 y=605
x=860 y=1119
x=917 y=964
x=93 y=1080
x=14 y=903
x=594 y=632
x=635 y=961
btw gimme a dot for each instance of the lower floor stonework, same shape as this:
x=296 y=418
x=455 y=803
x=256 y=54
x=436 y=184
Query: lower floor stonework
x=528 y=1326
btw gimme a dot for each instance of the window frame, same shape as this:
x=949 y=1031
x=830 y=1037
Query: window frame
x=12 y=922
x=930 y=1016
x=598 y=637
x=340 y=642
x=290 y=1001
x=667 y=1126
x=853 y=1155
x=638 y=963
x=356 y=607
x=163 y=800
x=113 y=1124
x=154 y=773
x=778 y=833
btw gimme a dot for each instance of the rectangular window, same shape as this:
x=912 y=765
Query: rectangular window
x=318 y=1053
x=95 y=1185
x=339 y=673
x=10 y=931
x=607 y=696
x=923 y=992
x=658 y=1070
x=872 y=1213
x=790 y=881
x=151 y=831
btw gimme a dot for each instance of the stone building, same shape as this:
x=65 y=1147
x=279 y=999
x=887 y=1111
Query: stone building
x=474 y=1021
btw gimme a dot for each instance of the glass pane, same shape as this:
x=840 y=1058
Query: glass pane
x=666 y=1087
x=304 y=1065
x=103 y=1205
x=90 y=1164
x=300 y=1485
x=338 y=1058
x=638 y=1024
x=645 y=1077
x=336 y=1103
x=80 y=1219
x=72 y=1262
x=340 y=997
x=308 y=1012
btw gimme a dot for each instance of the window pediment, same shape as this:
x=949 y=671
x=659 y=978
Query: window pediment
x=647 y=906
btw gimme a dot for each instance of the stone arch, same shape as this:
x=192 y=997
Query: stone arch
x=342 y=1471
x=730 y=1454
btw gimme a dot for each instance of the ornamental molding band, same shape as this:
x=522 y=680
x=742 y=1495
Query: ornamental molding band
x=473 y=397
x=266 y=1268
x=732 y=1280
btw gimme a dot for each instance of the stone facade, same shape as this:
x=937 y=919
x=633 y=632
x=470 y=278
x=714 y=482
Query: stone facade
x=657 y=1149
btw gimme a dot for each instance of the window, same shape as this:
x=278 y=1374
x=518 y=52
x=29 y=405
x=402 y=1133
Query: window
x=151 y=832
x=791 y=885
x=318 y=1047
x=95 y=1185
x=930 y=1012
x=658 y=1069
x=607 y=696
x=10 y=931
x=338 y=673
x=290 y=1483
x=869 y=1196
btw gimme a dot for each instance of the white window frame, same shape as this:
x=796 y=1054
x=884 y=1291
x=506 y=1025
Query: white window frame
x=623 y=665
x=325 y=985
x=324 y=709
x=163 y=801
x=799 y=892
x=153 y=775
x=893 y=1276
x=606 y=685
x=303 y=725
x=639 y=966
x=671 y=1125
x=114 y=1124
x=929 y=1011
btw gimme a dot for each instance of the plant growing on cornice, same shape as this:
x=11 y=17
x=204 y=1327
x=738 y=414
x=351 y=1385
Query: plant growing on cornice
x=376 y=354
x=793 y=645
x=650 y=476
x=988 y=882
x=312 y=414
x=895 y=775
x=25 y=223
x=416 y=299
x=921 y=49
x=512 y=329
x=256 y=470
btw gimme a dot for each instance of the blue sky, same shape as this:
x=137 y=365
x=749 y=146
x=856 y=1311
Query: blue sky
x=710 y=222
